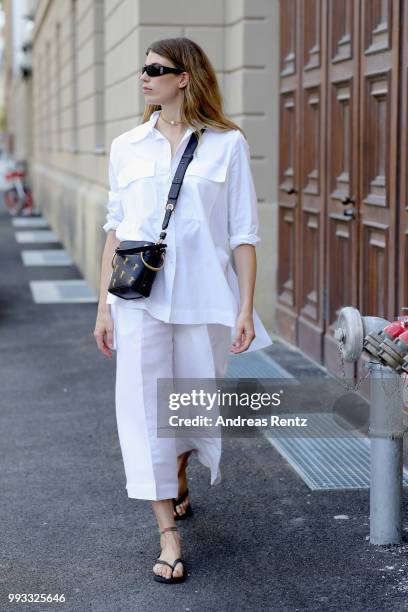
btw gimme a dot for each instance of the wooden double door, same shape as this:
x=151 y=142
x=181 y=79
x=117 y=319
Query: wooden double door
x=343 y=201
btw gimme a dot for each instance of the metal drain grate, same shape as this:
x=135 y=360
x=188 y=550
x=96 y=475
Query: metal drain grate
x=37 y=236
x=328 y=463
x=48 y=257
x=64 y=291
x=29 y=222
x=255 y=365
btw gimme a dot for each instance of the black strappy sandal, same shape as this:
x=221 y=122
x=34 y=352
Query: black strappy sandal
x=172 y=578
x=187 y=512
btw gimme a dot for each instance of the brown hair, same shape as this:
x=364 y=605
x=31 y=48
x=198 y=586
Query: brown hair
x=202 y=104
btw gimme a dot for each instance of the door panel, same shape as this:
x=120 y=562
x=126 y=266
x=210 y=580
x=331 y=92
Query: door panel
x=341 y=274
x=301 y=197
x=288 y=171
x=340 y=137
x=310 y=283
x=379 y=82
x=402 y=263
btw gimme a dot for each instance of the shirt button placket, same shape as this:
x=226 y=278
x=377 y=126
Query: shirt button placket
x=172 y=235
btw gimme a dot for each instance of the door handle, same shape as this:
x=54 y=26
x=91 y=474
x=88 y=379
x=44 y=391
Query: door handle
x=350 y=212
x=347 y=200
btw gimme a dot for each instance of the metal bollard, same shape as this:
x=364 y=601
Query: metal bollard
x=358 y=337
x=386 y=443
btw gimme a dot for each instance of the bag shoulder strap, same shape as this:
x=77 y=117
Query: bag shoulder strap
x=186 y=158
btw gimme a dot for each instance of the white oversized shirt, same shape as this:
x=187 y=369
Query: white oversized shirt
x=215 y=212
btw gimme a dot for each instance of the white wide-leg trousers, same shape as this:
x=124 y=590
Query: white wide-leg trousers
x=148 y=349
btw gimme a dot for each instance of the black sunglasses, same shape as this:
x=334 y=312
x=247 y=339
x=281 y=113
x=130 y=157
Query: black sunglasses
x=154 y=70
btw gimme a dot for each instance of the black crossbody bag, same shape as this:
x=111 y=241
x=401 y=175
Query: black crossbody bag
x=135 y=263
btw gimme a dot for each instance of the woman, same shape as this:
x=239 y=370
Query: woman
x=199 y=310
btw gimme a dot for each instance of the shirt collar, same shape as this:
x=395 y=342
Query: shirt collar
x=152 y=121
x=147 y=128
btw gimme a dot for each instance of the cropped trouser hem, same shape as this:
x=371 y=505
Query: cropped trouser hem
x=165 y=492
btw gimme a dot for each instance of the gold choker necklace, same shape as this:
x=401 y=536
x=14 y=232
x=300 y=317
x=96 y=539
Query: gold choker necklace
x=171 y=122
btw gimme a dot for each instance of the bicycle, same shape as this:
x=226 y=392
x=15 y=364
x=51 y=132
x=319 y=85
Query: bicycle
x=17 y=197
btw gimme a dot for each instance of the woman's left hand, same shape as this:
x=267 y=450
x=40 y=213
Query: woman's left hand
x=244 y=332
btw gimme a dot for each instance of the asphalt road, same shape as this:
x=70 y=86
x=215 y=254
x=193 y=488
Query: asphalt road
x=259 y=540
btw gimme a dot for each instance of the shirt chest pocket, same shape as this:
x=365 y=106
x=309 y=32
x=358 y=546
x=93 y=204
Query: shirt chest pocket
x=136 y=181
x=203 y=184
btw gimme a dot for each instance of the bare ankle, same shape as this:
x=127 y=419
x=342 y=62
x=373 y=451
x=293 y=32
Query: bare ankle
x=170 y=536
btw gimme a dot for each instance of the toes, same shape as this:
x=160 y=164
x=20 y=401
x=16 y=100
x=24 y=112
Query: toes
x=165 y=571
x=181 y=508
x=178 y=570
x=161 y=570
x=157 y=569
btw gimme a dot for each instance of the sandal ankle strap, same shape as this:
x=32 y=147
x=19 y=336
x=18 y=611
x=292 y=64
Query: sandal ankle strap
x=174 y=528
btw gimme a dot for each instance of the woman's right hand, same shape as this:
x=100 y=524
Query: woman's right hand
x=103 y=332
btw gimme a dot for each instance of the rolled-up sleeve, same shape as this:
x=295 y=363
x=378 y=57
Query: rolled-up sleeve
x=243 y=221
x=114 y=214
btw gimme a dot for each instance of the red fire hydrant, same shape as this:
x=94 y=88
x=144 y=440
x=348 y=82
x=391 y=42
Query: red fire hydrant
x=383 y=345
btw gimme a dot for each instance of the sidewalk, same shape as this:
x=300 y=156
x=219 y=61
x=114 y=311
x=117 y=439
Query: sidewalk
x=260 y=540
